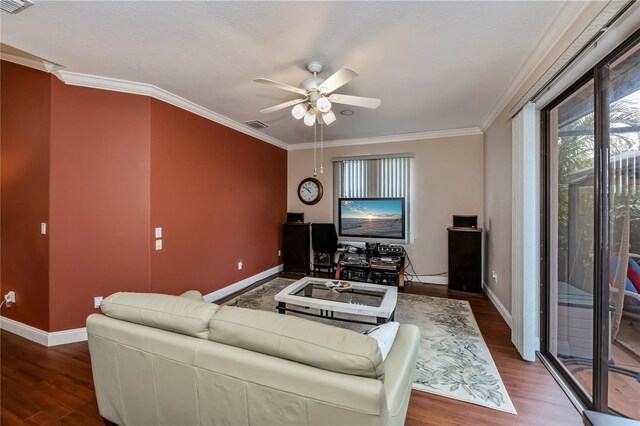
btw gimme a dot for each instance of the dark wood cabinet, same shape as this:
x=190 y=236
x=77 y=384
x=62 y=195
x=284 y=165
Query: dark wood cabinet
x=465 y=259
x=296 y=247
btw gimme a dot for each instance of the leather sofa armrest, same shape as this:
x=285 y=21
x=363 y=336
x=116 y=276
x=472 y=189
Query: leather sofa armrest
x=193 y=295
x=400 y=367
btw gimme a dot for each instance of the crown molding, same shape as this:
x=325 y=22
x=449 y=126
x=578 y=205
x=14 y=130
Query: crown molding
x=564 y=20
x=39 y=64
x=145 y=89
x=470 y=131
x=574 y=53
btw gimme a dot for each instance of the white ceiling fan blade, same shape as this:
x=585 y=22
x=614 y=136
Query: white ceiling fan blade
x=283 y=105
x=360 y=101
x=338 y=79
x=280 y=85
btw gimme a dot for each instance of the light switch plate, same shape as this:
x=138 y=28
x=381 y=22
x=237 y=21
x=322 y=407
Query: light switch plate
x=43 y=228
x=158 y=244
x=158 y=232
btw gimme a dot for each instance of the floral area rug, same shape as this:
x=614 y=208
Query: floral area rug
x=453 y=360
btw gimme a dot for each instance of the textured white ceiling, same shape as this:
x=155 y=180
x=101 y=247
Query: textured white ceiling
x=435 y=65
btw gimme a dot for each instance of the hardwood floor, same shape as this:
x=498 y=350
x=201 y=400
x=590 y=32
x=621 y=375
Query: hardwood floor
x=537 y=397
x=54 y=385
x=41 y=385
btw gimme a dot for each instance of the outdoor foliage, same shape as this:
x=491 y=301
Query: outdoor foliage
x=575 y=153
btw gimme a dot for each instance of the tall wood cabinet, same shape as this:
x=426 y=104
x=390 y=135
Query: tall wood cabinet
x=465 y=259
x=296 y=242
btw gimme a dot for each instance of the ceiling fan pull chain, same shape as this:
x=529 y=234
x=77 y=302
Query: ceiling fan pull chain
x=315 y=168
x=321 y=152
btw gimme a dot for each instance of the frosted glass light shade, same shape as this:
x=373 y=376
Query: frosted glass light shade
x=299 y=111
x=323 y=104
x=310 y=117
x=329 y=117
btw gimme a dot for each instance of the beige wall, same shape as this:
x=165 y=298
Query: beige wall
x=497 y=208
x=446 y=179
x=497 y=169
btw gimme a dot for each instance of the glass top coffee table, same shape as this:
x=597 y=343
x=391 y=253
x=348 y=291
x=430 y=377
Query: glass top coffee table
x=360 y=300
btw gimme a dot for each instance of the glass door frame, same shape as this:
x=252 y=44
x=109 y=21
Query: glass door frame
x=600 y=400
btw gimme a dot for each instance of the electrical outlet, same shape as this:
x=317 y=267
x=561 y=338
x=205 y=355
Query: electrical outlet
x=279 y=253
x=10 y=297
x=158 y=244
x=97 y=301
x=240 y=264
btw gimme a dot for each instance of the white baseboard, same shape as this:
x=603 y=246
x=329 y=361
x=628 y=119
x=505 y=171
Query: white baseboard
x=67 y=336
x=24 y=330
x=80 y=334
x=42 y=337
x=432 y=279
x=232 y=288
x=496 y=302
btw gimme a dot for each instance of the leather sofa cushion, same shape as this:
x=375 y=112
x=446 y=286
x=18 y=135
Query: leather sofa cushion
x=172 y=313
x=300 y=340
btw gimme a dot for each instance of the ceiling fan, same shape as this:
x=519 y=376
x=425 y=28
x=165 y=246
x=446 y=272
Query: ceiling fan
x=318 y=95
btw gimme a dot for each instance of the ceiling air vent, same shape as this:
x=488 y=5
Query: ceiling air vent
x=256 y=124
x=14 y=6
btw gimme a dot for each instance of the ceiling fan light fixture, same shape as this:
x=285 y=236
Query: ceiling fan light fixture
x=310 y=117
x=299 y=111
x=328 y=117
x=323 y=104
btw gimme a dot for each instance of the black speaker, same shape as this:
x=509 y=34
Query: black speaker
x=465 y=221
x=295 y=217
x=296 y=247
x=465 y=259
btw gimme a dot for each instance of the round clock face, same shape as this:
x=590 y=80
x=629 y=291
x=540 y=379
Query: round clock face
x=310 y=191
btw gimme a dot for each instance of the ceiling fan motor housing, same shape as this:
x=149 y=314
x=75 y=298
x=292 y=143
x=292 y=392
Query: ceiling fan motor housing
x=313 y=97
x=311 y=84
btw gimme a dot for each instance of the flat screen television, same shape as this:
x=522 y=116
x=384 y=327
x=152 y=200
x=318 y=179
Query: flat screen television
x=382 y=218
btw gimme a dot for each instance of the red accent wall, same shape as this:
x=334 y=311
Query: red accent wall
x=103 y=169
x=99 y=199
x=219 y=196
x=24 y=123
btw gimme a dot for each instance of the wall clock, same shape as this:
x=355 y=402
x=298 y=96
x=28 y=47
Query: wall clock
x=310 y=191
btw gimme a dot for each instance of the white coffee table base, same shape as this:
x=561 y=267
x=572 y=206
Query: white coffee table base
x=289 y=302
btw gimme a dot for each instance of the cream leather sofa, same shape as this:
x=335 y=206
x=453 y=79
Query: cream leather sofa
x=171 y=360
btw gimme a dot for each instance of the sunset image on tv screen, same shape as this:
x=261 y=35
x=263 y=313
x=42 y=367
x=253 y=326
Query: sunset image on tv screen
x=372 y=218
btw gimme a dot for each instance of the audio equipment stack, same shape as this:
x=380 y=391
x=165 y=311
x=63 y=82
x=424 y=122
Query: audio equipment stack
x=376 y=263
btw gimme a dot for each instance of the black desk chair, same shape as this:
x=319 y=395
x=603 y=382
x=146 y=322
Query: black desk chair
x=324 y=241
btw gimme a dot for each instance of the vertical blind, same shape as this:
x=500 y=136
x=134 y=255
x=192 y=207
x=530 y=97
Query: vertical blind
x=368 y=178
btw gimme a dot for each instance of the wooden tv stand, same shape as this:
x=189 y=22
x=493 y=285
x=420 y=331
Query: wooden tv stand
x=371 y=274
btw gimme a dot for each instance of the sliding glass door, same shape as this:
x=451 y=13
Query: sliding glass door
x=571 y=285
x=621 y=122
x=592 y=234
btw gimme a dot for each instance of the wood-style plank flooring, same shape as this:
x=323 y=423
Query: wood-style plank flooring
x=537 y=397
x=54 y=385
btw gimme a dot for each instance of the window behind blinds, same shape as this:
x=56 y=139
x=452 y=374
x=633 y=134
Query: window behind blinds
x=372 y=178
x=381 y=177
